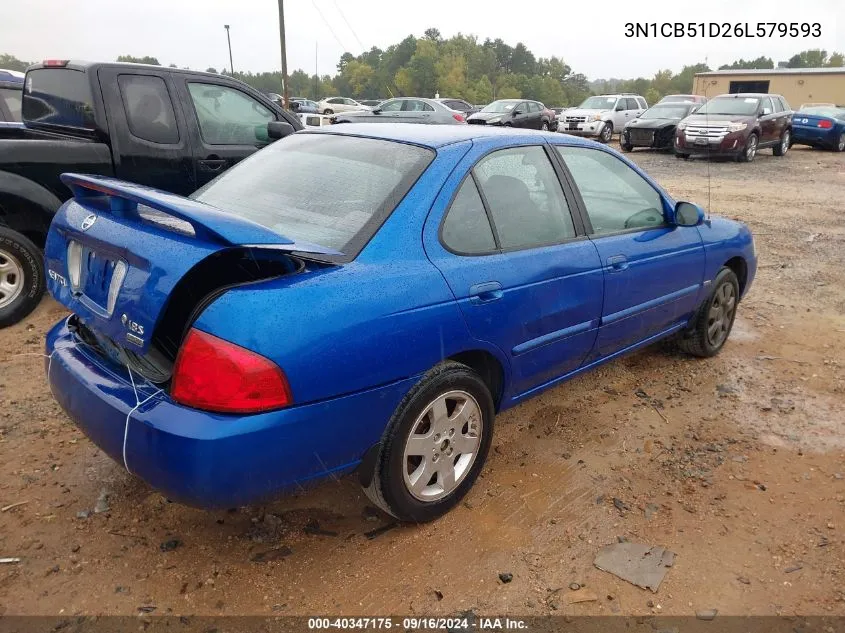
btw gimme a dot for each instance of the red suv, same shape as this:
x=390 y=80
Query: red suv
x=736 y=125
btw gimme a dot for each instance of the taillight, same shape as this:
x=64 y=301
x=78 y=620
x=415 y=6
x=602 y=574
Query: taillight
x=459 y=118
x=216 y=375
x=825 y=124
x=55 y=63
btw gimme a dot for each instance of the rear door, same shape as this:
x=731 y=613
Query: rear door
x=653 y=272
x=148 y=130
x=415 y=111
x=226 y=123
x=768 y=121
x=528 y=282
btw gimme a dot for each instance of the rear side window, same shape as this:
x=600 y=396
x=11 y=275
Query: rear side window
x=149 y=110
x=414 y=105
x=466 y=229
x=632 y=104
x=12 y=99
x=525 y=198
x=326 y=189
x=58 y=96
x=228 y=116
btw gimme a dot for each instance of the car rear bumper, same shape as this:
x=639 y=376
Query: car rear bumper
x=814 y=136
x=205 y=459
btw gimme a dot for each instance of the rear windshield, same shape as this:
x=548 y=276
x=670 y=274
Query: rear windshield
x=744 y=106
x=58 y=96
x=329 y=190
x=12 y=99
x=828 y=111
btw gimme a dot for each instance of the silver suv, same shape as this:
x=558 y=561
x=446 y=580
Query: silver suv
x=602 y=116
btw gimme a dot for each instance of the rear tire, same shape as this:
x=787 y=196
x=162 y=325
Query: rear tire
x=840 y=144
x=544 y=127
x=22 y=280
x=683 y=156
x=712 y=323
x=328 y=111
x=431 y=455
x=784 y=144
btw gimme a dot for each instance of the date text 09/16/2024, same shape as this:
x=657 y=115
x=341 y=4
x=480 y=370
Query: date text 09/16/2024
x=723 y=29
x=419 y=623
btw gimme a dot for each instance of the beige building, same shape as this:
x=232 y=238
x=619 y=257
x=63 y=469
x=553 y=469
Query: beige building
x=798 y=85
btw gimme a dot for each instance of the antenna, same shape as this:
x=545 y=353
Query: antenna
x=707 y=123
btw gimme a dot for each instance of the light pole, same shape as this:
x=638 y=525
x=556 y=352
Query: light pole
x=284 y=52
x=229 y=40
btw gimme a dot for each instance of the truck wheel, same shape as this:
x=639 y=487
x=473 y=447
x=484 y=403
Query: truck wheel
x=712 y=323
x=434 y=446
x=750 y=151
x=21 y=276
x=785 y=143
x=607 y=132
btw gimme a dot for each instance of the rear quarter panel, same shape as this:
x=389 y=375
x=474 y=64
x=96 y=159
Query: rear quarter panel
x=385 y=316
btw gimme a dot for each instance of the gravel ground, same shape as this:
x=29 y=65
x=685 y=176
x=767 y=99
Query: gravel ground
x=734 y=463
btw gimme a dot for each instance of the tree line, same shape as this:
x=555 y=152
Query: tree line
x=464 y=67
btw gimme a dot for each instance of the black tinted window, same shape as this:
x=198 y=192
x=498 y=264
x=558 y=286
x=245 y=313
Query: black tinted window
x=632 y=104
x=466 y=228
x=58 y=96
x=149 y=110
x=525 y=198
x=12 y=99
x=320 y=188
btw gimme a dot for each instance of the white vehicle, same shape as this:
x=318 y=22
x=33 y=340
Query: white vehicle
x=602 y=116
x=333 y=105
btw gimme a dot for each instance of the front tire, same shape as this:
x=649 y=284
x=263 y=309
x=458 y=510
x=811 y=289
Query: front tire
x=544 y=127
x=712 y=323
x=606 y=132
x=434 y=446
x=683 y=156
x=785 y=143
x=328 y=111
x=22 y=280
x=625 y=145
x=750 y=150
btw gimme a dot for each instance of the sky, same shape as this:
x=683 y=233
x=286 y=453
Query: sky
x=590 y=37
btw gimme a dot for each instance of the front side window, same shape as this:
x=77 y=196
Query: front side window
x=466 y=229
x=391 y=106
x=148 y=108
x=616 y=197
x=325 y=189
x=228 y=116
x=767 y=107
x=598 y=103
x=525 y=198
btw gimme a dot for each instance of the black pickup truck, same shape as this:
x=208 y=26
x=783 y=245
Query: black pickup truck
x=166 y=128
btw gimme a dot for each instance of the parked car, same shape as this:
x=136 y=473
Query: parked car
x=333 y=105
x=14 y=76
x=820 y=126
x=163 y=127
x=683 y=99
x=374 y=307
x=301 y=105
x=404 y=110
x=459 y=105
x=514 y=113
x=10 y=101
x=602 y=116
x=371 y=103
x=736 y=125
x=655 y=128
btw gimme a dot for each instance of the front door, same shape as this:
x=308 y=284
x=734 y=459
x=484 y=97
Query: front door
x=526 y=280
x=149 y=137
x=228 y=125
x=653 y=272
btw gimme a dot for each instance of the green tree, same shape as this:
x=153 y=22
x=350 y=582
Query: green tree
x=10 y=62
x=741 y=64
x=140 y=60
x=837 y=60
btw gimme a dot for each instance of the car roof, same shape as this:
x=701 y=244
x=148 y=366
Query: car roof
x=748 y=95
x=435 y=136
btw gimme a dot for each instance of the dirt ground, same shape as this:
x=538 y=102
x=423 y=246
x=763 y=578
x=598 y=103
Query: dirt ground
x=735 y=464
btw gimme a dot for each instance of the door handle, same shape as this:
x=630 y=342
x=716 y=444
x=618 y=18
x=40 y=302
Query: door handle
x=485 y=293
x=617 y=263
x=212 y=164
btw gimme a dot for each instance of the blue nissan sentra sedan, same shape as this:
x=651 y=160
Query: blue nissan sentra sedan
x=368 y=297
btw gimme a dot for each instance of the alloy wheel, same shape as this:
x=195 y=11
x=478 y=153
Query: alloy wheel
x=607 y=133
x=442 y=446
x=841 y=145
x=11 y=278
x=751 y=148
x=784 y=143
x=721 y=314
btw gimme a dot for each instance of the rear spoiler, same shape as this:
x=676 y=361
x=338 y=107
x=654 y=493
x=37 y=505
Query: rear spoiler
x=122 y=198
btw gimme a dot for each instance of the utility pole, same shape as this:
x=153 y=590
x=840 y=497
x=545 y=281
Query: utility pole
x=284 y=52
x=316 y=74
x=229 y=39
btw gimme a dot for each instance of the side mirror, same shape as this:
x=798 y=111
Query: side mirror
x=279 y=129
x=688 y=214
